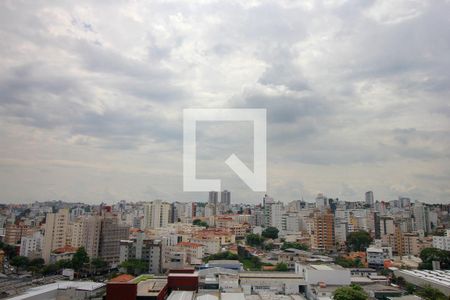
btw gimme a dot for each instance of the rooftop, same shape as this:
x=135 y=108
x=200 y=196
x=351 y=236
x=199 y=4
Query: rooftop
x=438 y=276
x=40 y=290
x=189 y=244
x=181 y=295
x=151 y=287
x=121 y=278
x=327 y=267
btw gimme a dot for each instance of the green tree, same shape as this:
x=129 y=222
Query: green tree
x=358 y=240
x=50 y=269
x=352 y=292
x=429 y=293
x=428 y=255
x=254 y=240
x=10 y=251
x=281 y=267
x=98 y=263
x=270 y=233
x=79 y=259
x=135 y=266
x=269 y=246
x=348 y=263
x=20 y=262
x=63 y=264
x=227 y=255
x=294 y=245
x=410 y=288
x=35 y=265
x=201 y=223
x=37 y=262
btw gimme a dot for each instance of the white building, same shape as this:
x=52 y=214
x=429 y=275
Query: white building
x=156 y=214
x=321 y=202
x=31 y=246
x=290 y=222
x=377 y=255
x=329 y=274
x=442 y=242
x=274 y=213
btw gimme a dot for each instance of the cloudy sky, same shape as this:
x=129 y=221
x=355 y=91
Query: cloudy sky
x=92 y=93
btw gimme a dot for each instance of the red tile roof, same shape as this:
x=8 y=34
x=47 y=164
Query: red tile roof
x=189 y=244
x=122 y=278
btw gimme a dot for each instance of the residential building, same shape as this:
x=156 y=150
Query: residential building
x=324 y=232
x=225 y=198
x=112 y=232
x=55 y=234
x=156 y=214
x=31 y=247
x=146 y=249
x=369 y=199
x=442 y=242
x=15 y=232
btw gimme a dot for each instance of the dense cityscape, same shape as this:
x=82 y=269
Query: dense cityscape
x=216 y=248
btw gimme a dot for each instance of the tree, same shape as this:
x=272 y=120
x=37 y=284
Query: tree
x=64 y=264
x=358 y=240
x=79 y=259
x=429 y=293
x=98 y=264
x=428 y=255
x=270 y=233
x=269 y=246
x=352 y=292
x=348 y=263
x=135 y=266
x=37 y=262
x=254 y=240
x=50 y=269
x=36 y=265
x=10 y=250
x=227 y=255
x=201 y=223
x=20 y=262
x=294 y=245
x=281 y=267
x=410 y=288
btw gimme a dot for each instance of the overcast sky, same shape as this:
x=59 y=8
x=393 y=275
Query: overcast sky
x=92 y=93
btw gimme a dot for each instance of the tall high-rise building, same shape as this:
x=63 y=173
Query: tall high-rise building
x=92 y=228
x=369 y=198
x=324 y=232
x=376 y=225
x=404 y=202
x=273 y=213
x=267 y=200
x=225 y=198
x=112 y=232
x=213 y=198
x=322 y=202
x=421 y=217
x=156 y=214
x=142 y=248
x=55 y=235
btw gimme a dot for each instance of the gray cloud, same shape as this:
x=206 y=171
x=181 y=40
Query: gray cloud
x=92 y=93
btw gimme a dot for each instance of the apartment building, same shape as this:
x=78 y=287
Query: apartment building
x=156 y=214
x=55 y=234
x=323 y=237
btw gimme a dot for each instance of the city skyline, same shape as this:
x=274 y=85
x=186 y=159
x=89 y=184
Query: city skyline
x=356 y=98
